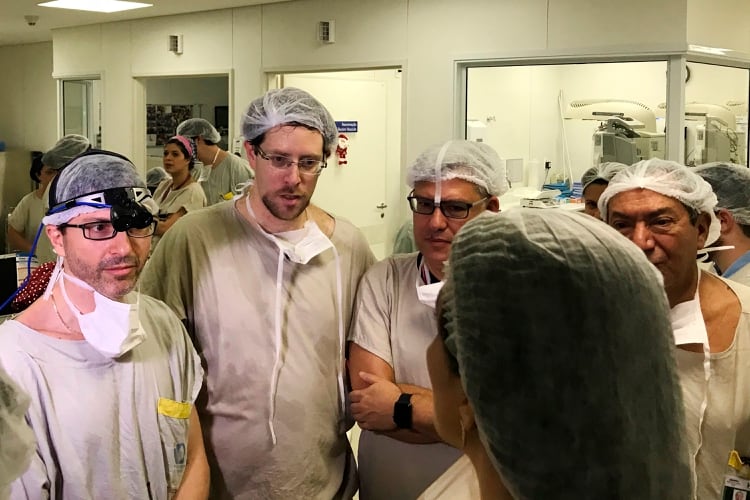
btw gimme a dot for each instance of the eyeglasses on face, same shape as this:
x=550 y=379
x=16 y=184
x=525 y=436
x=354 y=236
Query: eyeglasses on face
x=104 y=230
x=450 y=209
x=309 y=166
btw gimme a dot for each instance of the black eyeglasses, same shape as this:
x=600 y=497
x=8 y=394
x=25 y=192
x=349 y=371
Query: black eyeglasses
x=451 y=209
x=309 y=166
x=104 y=230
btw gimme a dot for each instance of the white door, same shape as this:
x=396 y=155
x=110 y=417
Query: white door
x=356 y=190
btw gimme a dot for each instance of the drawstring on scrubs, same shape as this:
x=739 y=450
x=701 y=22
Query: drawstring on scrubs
x=278 y=337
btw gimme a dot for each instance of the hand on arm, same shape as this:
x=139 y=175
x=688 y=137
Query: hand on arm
x=163 y=225
x=375 y=393
x=195 y=480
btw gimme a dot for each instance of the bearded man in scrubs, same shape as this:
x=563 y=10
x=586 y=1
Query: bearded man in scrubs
x=668 y=211
x=400 y=453
x=266 y=285
x=112 y=374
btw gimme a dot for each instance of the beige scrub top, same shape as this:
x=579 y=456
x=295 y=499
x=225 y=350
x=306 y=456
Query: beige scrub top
x=224 y=285
x=726 y=424
x=390 y=322
x=190 y=197
x=225 y=177
x=26 y=218
x=459 y=482
x=100 y=427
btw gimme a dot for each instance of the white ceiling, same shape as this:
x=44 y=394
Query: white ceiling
x=14 y=29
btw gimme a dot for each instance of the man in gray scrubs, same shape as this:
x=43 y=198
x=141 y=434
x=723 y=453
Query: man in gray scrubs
x=111 y=373
x=222 y=171
x=266 y=285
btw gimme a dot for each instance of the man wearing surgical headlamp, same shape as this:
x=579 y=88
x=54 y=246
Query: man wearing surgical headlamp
x=112 y=374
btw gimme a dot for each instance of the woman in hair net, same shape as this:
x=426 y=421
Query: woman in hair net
x=595 y=180
x=552 y=372
x=17 y=442
x=26 y=218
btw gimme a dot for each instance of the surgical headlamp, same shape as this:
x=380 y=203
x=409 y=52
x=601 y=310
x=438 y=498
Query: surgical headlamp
x=125 y=204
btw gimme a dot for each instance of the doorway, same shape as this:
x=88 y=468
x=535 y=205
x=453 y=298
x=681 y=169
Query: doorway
x=363 y=184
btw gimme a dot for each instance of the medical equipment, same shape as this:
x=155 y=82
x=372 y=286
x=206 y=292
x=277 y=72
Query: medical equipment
x=624 y=140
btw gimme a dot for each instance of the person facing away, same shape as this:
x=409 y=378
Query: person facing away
x=18 y=443
x=26 y=218
x=112 y=373
x=400 y=454
x=557 y=395
x=266 y=288
x=667 y=210
x=594 y=182
x=179 y=193
x=731 y=185
x=222 y=173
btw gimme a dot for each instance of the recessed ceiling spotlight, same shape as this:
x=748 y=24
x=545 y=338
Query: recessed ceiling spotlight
x=95 y=5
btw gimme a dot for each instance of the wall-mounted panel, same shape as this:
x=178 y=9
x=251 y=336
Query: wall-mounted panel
x=77 y=51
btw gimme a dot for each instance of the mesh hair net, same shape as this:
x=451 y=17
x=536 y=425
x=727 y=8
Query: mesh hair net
x=64 y=150
x=731 y=185
x=156 y=175
x=288 y=105
x=560 y=329
x=471 y=161
x=92 y=173
x=603 y=171
x=194 y=127
x=669 y=179
x=17 y=442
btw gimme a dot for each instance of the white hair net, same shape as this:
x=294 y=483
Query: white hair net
x=560 y=330
x=194 y=127
x=471 y=161
x=288 y=105
x=602 y=172
x=731 y=185
x=155 y=175
x=669 y=179
x=17 y=441
x=64 y=150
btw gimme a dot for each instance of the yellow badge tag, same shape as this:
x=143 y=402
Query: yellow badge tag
x=174 y=409
x=228 y=196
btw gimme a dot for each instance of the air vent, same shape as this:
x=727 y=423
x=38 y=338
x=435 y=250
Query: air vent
x=327 y=31
x=175 y=44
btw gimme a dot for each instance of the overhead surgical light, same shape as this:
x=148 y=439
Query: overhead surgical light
x=107 y=6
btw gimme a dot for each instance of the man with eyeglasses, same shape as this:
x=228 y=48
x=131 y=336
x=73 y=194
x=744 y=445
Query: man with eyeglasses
x=266 y=285
x=400 y=453
x=112 y=374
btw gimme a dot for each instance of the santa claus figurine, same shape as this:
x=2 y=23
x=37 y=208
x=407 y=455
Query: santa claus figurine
x=341 y=149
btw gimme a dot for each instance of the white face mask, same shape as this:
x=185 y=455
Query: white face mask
x=313 y=243
x=112 y=328
x=687 y=321
x=428 y=294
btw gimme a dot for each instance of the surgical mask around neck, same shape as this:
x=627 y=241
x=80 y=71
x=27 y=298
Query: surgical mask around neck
x=300 y=245
x=427 y=293
x=687 y=321
x=112 y=328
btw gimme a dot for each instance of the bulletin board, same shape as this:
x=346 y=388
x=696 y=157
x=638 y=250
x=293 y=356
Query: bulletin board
x=162 y=121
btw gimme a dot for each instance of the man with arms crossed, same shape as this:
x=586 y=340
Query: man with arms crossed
x=400 y=453
x=266 y=285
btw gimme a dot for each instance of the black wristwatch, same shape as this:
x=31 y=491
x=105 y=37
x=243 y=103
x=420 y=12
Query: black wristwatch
x=402 y=411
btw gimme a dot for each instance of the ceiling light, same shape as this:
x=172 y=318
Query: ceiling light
x=95 y=5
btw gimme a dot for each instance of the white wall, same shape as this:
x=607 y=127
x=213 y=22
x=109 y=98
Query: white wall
x=28 y=97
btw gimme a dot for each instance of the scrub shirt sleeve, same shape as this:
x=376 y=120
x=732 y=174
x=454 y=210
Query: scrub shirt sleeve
x=19 y=217
x=372 y=314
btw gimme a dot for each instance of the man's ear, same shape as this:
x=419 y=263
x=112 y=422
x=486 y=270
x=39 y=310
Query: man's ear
x=493 y=204
x=702 y=224
x=726 y=219
x=56 y=238
x=251 y=156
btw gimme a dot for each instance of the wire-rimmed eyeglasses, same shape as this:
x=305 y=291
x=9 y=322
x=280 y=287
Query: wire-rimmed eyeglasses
x=451 y=209
x=308 y=166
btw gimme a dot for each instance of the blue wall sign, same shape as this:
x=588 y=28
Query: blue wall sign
x=347 y=126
